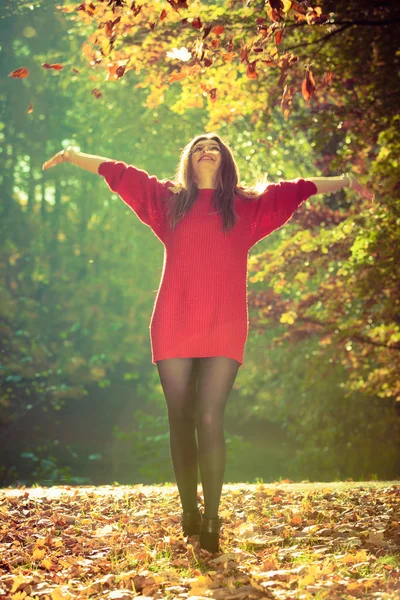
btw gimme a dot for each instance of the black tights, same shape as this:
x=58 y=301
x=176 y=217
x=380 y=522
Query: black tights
x=196 y=391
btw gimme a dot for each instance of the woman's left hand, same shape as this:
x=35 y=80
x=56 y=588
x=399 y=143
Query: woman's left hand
x=361 y=189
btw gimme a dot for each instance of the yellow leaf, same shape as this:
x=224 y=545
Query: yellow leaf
x=57 y=594
x=20 y=579
x=310 y=576
x=46 y=564
x=288 y=317
x=38 y=554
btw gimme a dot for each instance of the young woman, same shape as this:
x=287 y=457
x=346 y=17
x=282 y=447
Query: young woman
x=199 y=323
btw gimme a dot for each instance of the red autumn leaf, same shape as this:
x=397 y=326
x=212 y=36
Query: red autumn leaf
x=308 y=86
x=108 y=28
x=30 y=108
x=120 y=71
x=218 y=29
x=163 y=15
x=251 y=70
x=55 y=66
x=115 y=72
x=244 y=53
x=215 y=43
x=177 y=4
x=136 y=9
x=196 y=23
x=298 y=7
x=213 y=94
x=20 y=73
x=278 y=36
x=97 y=93
x=258 y=49
x=207 y=62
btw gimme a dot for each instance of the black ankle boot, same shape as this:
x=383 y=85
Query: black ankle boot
x=209 y=533
x=191 y=522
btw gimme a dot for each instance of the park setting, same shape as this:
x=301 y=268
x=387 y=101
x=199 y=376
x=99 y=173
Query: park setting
x=283 y=325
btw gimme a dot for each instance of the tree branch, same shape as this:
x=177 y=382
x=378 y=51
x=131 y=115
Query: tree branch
x=361 y=22
x=319 y=40
x=352 y=336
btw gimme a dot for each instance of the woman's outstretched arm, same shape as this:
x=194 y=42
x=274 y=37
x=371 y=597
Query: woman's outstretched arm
x=89 y=162
x=327 y=185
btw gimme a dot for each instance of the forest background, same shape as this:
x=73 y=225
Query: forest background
x=298 y=89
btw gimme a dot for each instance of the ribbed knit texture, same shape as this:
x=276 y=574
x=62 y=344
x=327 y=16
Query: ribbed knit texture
x=201 y=305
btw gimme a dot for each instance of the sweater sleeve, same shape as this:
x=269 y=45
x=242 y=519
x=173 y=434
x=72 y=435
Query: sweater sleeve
x=276 y=205
x=143 y=193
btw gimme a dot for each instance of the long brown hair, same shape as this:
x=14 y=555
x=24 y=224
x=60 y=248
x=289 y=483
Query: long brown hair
x=227 y=185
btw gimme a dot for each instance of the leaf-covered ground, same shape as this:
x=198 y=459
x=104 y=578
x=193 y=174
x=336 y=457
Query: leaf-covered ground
x=278 y=541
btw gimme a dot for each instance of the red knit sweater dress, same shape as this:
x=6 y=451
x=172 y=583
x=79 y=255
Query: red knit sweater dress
x=201 y=304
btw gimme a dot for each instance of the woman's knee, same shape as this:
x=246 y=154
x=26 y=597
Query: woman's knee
x=209 y=421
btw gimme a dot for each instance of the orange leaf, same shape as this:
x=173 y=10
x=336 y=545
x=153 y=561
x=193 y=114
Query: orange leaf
x=178 y=76
x=163 y=15
x=55 y=66
x=228 y=56
x=218 y=29
x=30 y=108
x=308 y=86
x=278 y=36
x=251 y=70
x=20 y=73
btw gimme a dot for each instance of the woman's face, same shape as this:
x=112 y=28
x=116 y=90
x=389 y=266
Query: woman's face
x=206 y=159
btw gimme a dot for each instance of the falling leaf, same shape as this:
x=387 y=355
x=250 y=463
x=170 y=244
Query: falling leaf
x=55 y=66
x=97 y=93
x=20 y=73
x=308 y=86
x=218 y=29
x=30 y=108
x=163 y=15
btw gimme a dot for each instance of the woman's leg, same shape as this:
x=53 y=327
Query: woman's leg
x=178 y=380
x=216 y=376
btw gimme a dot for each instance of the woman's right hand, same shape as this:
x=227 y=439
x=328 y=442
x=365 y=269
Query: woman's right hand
x=57 y=159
